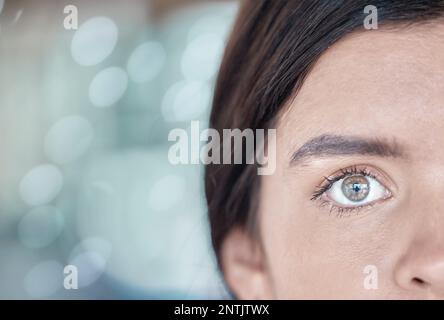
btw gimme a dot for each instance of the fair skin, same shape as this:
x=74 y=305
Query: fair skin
x=383 y=86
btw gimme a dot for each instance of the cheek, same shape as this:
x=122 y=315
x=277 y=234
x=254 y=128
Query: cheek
x=314 y=254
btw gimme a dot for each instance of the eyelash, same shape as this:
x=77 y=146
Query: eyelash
x=328 y=183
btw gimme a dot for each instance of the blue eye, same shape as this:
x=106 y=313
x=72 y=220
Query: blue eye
x=351 y=189
x=356 y=190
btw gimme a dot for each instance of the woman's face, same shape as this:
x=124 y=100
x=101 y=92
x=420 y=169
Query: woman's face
x=355 y=208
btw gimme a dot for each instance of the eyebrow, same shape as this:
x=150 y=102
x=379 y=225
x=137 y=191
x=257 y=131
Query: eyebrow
x=337 y=145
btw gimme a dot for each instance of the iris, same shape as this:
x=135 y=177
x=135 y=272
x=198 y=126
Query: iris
x=356 y=188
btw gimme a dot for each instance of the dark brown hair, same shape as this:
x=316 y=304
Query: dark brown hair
x=272 y=47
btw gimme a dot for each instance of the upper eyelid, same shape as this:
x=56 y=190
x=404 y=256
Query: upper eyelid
x=343 y=173
x=370 y=170
x=337 y=176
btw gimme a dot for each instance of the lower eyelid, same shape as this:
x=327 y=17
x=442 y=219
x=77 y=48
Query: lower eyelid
x=348 y=211
x=344 y=211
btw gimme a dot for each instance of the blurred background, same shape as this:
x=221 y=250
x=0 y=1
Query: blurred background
x=84 y=117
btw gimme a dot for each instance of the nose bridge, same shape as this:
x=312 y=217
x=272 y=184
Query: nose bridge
x=421 y=267
x=429 y=225
x=427 y=202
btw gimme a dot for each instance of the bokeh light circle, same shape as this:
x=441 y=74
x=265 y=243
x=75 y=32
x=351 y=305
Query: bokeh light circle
x=44 y=279
x=68 y=139
x=186 y=100
x=166 y=192
x=146 y=62
x=91 y=265
x=94 y=41
x=202 y=56
x=40 y=227
x=108 y=86
x=41 y=185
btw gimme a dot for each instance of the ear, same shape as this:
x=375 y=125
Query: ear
x=244 y=267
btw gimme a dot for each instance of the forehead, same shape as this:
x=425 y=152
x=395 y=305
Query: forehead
x=386 y=82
